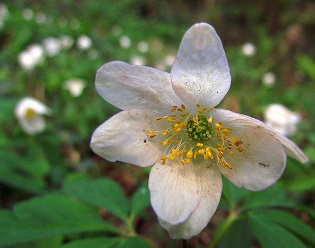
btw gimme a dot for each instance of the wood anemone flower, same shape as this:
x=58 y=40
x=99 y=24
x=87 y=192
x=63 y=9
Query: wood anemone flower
x=169 y=120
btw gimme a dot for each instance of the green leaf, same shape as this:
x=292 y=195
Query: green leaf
x=307 y=65
x=238 y=235
x=271 y=235
x=49 y=216
x=140 y=201
x=104 y=193
x=131 y=242
x=266 y=198
x=292 y=223
x=302 y=183
x=19 y=172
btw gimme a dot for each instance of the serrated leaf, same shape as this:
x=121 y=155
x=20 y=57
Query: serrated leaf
x=104 y=193
x=140 y=201
x=131 y=242
x=292 y=223
x=49 y=216
x=22 y=173
x=271 y=235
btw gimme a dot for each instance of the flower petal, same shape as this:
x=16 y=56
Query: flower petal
x=211 y=187
x=263 y=159
x=124 y=138
x=174 y=190
x=136 y=87
x=200 y=73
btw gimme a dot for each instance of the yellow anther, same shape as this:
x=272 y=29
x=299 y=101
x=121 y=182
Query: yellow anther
x=183 y=106
x=237 y=143
x=210 y=119
x=185 y=161
x=163 y=158
x=166 y=131
x=198 y=105
x=201 y=151
x=240 y=149
x=158 y=118
x=164 y=142
x=170 y=119
x=199 y=144
x=225 y=131
x=218 y=125
x=189 y=154
x=151 y=133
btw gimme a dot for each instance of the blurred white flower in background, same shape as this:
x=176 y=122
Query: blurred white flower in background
x=66 y=41
x=169 y=59
x=40 y=17
x=31 y=56
x=281 y=119
x=249 y=49
x=125 y=41
x=138 y=60
x=52 y=46
x=28 y=14
x=84 y=42
x=4 y=13
x=269 y=79
x=29 y=113
x=143 y=46
x=75 y=86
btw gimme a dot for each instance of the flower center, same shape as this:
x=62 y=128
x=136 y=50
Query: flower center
x=198 y=128
x=195 y=137
x=30 y=113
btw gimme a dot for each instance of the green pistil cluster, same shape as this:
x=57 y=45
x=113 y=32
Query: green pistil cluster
x=199 y=128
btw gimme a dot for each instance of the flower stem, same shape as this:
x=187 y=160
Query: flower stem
x=223 y=228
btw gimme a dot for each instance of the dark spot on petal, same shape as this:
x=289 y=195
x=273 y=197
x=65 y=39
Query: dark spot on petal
x=145 y=141
x=264 y=165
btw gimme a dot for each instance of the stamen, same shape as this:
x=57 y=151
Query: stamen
x=191 y=137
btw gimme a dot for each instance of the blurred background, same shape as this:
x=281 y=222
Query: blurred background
x=55 y=192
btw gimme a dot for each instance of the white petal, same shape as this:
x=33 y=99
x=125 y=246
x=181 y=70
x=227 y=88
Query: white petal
x=124 y=138
x=200 y=73
x=211 y=188
x=131 y=86
x=33 y=125
x=290 y=148
x=174 y=190
x=263 y=159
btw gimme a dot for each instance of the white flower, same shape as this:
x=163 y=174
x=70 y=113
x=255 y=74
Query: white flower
x=66 y=41
x=138 y=60
x=169 y=121
x=31 y=56
x=27 y=14
x=125 y=41
x=75 y=86
x=143 y=46
x=52 y=46
x=249 y=49
x=29 y=112
x=84 y=42
x=281 y=119
x=269 y=79
x=40 y=18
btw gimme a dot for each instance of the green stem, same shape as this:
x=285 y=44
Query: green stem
x=129 y=223
x=223 y=228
